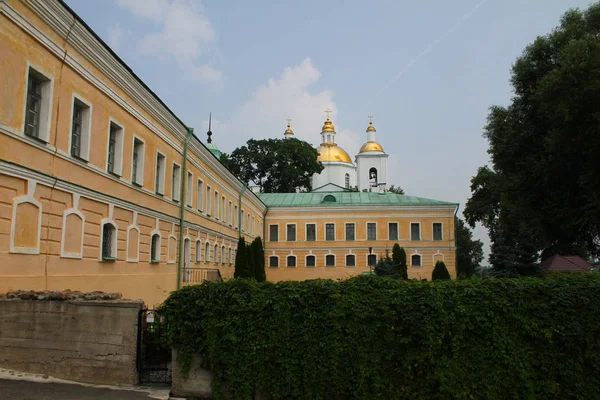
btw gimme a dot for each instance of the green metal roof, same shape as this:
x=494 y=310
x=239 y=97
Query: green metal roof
x=318 y=199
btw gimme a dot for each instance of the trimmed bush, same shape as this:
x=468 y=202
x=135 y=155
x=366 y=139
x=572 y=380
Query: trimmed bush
x=241 y=261
x=440 y=272
x=373 y=338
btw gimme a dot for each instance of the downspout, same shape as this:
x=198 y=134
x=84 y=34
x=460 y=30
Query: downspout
x=190 y=132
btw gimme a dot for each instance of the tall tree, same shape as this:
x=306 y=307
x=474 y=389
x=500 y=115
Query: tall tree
x=241 y=260
x=259 y=260
x=276 y=165
x=440 y=272
x=469 y=252
x=540 y=197
x=399 y=259
x=251 y=262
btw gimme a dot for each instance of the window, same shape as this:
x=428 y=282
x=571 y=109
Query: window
x=371 y=231
x=415 y=231
x=159 y=179
x=155 y=248
x=415 y=260
x=137 y=162
x=311 y=261
x=437 y=231
x=208 y=205
x=38 y=106
x=350 y=231
x=200 y=199
x=176 y=180
x=350 y=260
x=242 y=220
x=393 y=231
x=291 y=261
x=223 y=208
x=189 y=189
x=216 y=254
x=371 y=260
x=229 y=257
x=80 y=129
x=216 y=205
x=273 y=233
x=198 y=251
x=273 y=262
x=109 y=241
x=207 y=253
x=347 y=181
x=222 y=254
x=291 y=233
x=330 y=260
x=230 y=213
x=114 y=159
x=235 y=216
x=311 y=232
x=253 y=226
x=329 y=231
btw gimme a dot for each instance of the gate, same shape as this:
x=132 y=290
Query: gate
x=153 y=353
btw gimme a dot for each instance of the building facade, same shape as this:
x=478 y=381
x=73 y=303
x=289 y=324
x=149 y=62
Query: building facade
x=97 y=175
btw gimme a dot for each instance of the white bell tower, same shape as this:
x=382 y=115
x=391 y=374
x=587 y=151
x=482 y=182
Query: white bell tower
x=371 y=164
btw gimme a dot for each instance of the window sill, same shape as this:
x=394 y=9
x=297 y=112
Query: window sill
x=136 y=184
x=37 y=139
x=109 y=259
x=311 y=266
x=159 y=194
x=273 y=267
x=175 y=201
x=154 y=261
x=330 y=266
x=83 y=160
x=114 y=174
x=290 y=267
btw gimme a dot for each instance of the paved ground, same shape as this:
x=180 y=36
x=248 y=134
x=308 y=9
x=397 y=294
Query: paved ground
x=24 y=390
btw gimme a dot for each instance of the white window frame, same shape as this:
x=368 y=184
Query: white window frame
x=287 y=239
x=223 y=204
x=160 y=187
x=346 y=231
x=433 y=231
x=175 y=182
x=367 y=230
x=287 y=264
x=334 y=260
x=86 y=127
x=306 y=261
x=274 y=256
x=46 y=104
x=223 y=254
x=155 y=233
x=119 y=139
x=397 y=229
x=207 y=252
x=242 y=220
x=346 y=260
x=200 y=199
x=277 y=225
x=189 y=190
x=141 y=161
x=216 y=253
x=198 y=254
x=325 y=232
x=208 y=200
x=306 y=232
x=367 y=260
x=230 y=213
x=235 y=216
x=420 y=258
x=216 y=205
x=113 y=245
x=410 y=231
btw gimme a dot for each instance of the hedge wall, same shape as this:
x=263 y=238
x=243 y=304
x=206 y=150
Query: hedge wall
x=378 y=338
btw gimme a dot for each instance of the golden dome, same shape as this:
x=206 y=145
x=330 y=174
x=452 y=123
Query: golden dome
x=328 y=126
x=371 y=128
x=288 y=131
x=333 y=154
x=371 y=146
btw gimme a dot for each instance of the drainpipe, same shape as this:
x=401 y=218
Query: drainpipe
x=190 y=132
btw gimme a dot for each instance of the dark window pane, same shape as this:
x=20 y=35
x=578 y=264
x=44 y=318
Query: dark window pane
x=372 y=260
x=329 y=231
x=371 y=231
x=393 y=230
x=311 y=232
x=415 y=231
x=107 y=241
x=416 y=260
x=291 y=261
x=274 y=233
x=349 y=231
x=76 y=131
x=273 y=262
x=112 y=144
x=310 y=261
x=437 y=231
x=34 y=105
x=330 y=260
x=291 y=233
x=351 y=260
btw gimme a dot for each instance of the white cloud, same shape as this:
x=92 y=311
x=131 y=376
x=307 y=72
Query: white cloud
x=289 y=95
x=115 y=34
x=183 y=33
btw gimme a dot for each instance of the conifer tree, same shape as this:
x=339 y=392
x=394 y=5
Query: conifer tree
x=241 y=262
x=399 y=259
x=259 y=260
x=250 y=261
x=440 y=272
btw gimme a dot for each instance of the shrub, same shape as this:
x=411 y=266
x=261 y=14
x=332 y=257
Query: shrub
x=440 y=272
x=373 y=338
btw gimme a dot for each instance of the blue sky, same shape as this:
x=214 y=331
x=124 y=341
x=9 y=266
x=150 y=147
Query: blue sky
x=428 y=70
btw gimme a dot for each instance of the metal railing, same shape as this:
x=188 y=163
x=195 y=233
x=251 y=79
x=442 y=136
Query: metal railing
x=199 y=275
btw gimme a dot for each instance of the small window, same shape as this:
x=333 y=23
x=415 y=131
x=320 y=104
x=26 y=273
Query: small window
x=437 y=231
x=216 y=254
x=189 y=189
x=235 y=216
x=207 y=253
x=350 y=231
x=198 y=251
x=155 y=248
x=371 y=260
x=242 y=220
x=291 y=233
x=311 y=232
x=329 y=231
x=415 y=231
x=415 y=260
x=371 y=231
x=216 y=204
x=273 y=233
x=350 y=260
x=273 y=262
x=223 y=208
x=330 y=260
x=254 y=226
x=200 y=199
x=137 y=162
x=159 y=179
x=208 y=204
x=347 y=181
x=329 y=199
x=38 y=106
x=114 y=160
x=109 y=242
x=311 y=261
x=222 y=254
x=230 y=213
x=291 y=261
x=229 y=257
x=176 y=179
x=393 y=231
x=80 y=129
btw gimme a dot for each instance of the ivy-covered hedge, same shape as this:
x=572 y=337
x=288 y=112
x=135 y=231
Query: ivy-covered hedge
x=379 y=338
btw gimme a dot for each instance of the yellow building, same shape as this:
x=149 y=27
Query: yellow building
x=97 y=175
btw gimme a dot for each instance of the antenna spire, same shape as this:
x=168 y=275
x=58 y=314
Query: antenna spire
x=209 y=133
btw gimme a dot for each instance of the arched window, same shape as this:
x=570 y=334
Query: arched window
x=373 y=176
x=350 y=260
x=155 y=248
x=311 y=261
x=206 y=253
x=109 y=241
x=273 y=262
x=229 y=257
x=198 y=251
x=330 y=260
x=187 y=256
x=347 y=181
x=291 y=261
x=216 y=253
x=415 y=260
x=222 y=254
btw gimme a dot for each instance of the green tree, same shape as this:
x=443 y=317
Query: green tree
x=241 y=260
x=540 y=196
x=275 y=165
x=396 y=189
x=440 y=272
x=399 y=259
x=259 y=260
x=251 y=262
x=469 y=252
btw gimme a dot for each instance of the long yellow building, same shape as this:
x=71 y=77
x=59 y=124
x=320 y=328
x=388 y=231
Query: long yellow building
x=97 y=175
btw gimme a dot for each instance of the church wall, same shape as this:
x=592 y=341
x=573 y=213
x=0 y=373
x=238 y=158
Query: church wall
x=53 y=205
x=335 y=173
x=366 y=161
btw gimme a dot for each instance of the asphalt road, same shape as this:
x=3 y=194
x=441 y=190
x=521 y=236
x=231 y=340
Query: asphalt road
x=23 y=390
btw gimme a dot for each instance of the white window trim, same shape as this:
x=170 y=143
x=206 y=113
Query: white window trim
x=286 y=232
x=44 y=134
x=434 y=255
x=208 y=200
x=306 y=262
x=235 y=216
x=269 y=261
x=367 y=259
x=306 y=232
x=28 y=198
x=198 y=245
x=86 y=128
x=325 y=260
x=432 y=231
x=131 y=227
x=67 y=212
x=367 y=230
x=200 y=199
x=216 y=253
x=416 y=253
x=296 y=261
x=410 y=231
x=345 y=227
x=397 y=228
x=175 y=194
x=216 y=205
x=161 y=179
x=230 y=214
x=140 y=172
x=207 y=253
x=270 y=233
x=174 y=260
x=223 y=210
x=109 y=221
x=325 y=232
x=346 y=260
x=242 y=220
x=189 y=190
x=118 y=167
x=223 y=254
x=157 y=260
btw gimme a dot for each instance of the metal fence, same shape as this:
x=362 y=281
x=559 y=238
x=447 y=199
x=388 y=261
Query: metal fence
x=199 y=275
